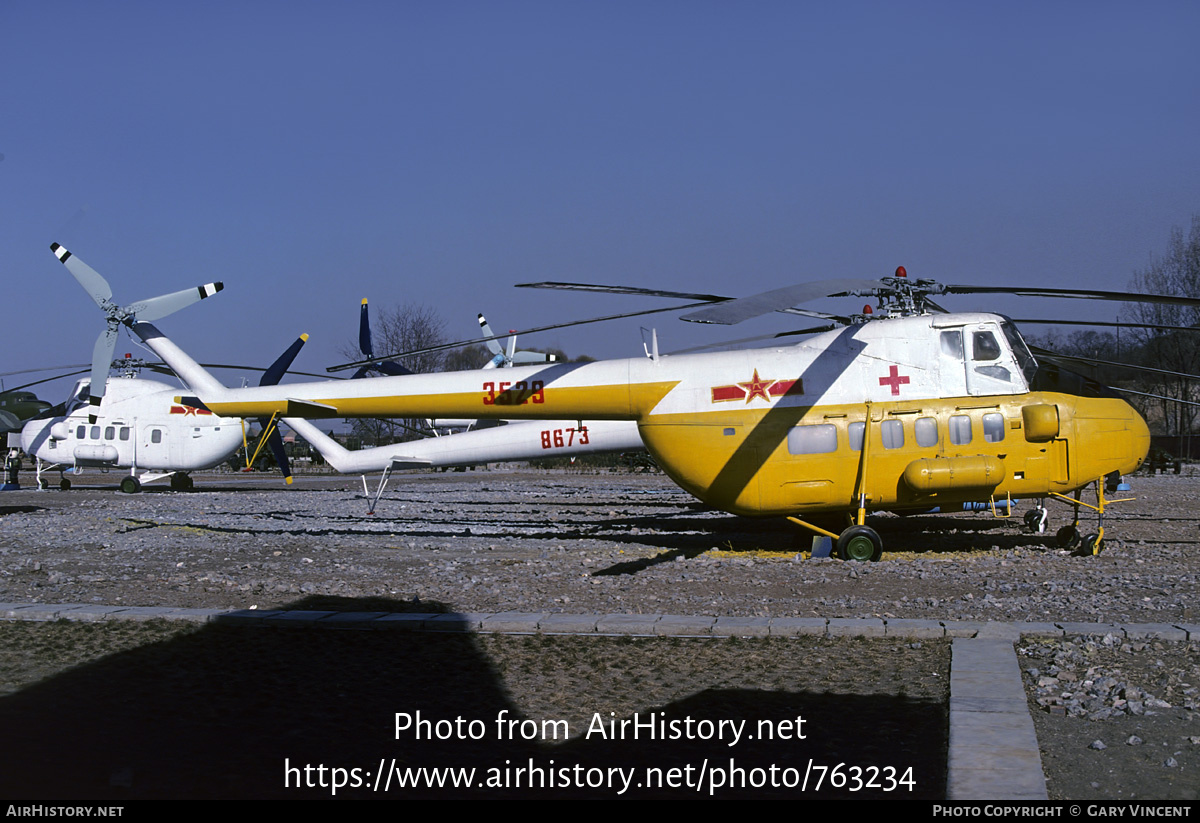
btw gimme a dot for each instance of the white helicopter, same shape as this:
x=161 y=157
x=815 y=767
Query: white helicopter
x=144 y=428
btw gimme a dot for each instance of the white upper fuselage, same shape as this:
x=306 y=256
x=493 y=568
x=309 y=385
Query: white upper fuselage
x=140 y=426
x=929 y=356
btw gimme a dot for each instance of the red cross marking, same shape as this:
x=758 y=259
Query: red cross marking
x=894 y=380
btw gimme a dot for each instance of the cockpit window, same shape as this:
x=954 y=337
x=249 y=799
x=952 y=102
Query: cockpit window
x=985 y=346
x=1020 y=351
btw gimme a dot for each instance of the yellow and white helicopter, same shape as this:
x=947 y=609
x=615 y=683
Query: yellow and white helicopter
x=907 y=411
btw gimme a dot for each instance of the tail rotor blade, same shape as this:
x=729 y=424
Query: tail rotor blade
x=89 y=278
x=156 y=308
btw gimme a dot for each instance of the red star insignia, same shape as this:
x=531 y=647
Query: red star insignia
x=757 y=387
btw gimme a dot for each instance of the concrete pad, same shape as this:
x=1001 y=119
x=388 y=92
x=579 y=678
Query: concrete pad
x=964 y=628
x=1157 y=631
x=247 y=616
x=900 y=627
x=95 y=614
x=993 y=751
x=1192 y=629
x=1037 y=629
x=299 y=616
x=978 y=703
x=856 y=627
x=680 y=626
x=456 y=622
x=742 y=627
x=627 y=623
x=352 y=620
x=404 y=622
x=799 y=626
x=1089 y=628
x=513 y=622
x=569 y=623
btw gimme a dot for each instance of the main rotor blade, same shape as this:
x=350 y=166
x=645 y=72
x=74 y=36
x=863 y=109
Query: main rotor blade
x=756 y=305
x=680 y=295
x=1084 y=294
x=1095 y=361
x=364 y=330
x=89 y=278
x=474 y=341
x=754 y=339
x=48 y=379
x=1118 y=324
x=156 y=308
x=602 y=289
x=102 y=355
x=489 y=339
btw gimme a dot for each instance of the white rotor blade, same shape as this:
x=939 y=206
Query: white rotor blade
x=102 y=355
x=158 y=307
x=89 y=278
x=743 y=308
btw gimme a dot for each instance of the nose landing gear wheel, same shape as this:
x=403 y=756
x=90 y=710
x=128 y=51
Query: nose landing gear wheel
x=860 y=543
x=1092 y=545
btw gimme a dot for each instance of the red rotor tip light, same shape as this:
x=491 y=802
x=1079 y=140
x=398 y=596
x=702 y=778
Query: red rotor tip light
x=900 y=272
x=866 y=310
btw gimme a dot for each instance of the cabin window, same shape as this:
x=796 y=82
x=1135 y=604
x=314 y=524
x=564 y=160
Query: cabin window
x=993 y=427
x=110 y=432
x=926 y=431
x=819 y=439
x=856 y=435
x=95 y=432
x=952 y=344
x=156 y=436
x=124 y=432
x=81 y=433
x=960 y=429
x=893 y=434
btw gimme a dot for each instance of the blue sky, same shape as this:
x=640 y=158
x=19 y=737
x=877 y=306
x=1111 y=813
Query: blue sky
x=310 y=154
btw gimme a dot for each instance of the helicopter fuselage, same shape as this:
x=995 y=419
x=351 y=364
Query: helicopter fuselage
x=900 y=413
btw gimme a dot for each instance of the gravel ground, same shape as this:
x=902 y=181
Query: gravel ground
x=615 y=542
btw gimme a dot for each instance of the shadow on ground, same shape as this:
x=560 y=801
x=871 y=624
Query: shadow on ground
x=228 y=711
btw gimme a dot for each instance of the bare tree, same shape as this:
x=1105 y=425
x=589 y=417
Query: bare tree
x=1177 y=274
x=395 y=330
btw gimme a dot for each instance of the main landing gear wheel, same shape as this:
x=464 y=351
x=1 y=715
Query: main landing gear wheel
x=43 y=484
x=1091 y=546
x=64 y=484
x=860 y=543
x=1035 y=520
x=1067 y=537
x=181 y=482
x=131 y=485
